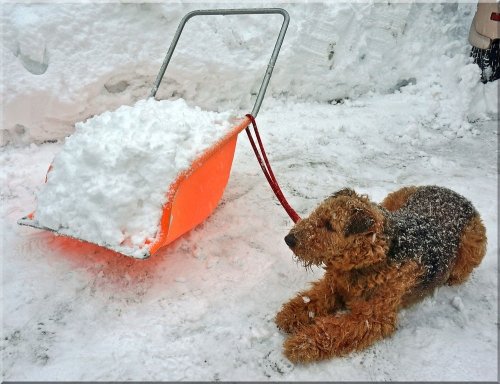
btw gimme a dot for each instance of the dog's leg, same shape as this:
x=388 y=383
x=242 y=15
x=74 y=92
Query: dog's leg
x=471 y=251
x=306 y=306
x=367 y=321
x=339 y=335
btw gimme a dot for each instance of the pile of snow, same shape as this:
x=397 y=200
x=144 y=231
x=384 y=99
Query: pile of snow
x=110 y=180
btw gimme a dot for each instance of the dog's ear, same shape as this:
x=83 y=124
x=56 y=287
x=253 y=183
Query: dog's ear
x=344 y=192
x=360 y=222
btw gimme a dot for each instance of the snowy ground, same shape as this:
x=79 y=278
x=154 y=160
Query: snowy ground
x=203 y=308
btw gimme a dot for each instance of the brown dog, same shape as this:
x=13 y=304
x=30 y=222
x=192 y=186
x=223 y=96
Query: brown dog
x=378 y=258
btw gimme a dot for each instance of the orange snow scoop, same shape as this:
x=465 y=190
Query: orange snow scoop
x=195 y=193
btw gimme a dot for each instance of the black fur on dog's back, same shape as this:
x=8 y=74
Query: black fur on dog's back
x=428 y=229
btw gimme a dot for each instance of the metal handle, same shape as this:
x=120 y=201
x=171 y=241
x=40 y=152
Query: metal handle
x=223 y=12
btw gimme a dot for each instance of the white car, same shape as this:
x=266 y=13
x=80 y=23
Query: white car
x=484 y=36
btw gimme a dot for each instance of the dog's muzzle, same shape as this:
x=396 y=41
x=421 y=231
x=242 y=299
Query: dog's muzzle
x=290 y=240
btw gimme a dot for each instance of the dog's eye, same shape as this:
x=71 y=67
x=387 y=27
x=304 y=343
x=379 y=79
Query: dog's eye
x=328 y=226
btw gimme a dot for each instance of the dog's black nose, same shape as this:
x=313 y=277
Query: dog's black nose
x=290 y=240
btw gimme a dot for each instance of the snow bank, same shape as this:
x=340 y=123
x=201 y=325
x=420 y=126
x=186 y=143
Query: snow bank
x=109 y=182
x=60 y=69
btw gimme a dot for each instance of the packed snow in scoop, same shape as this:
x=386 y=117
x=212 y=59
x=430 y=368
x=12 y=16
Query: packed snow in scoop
x=109 y=183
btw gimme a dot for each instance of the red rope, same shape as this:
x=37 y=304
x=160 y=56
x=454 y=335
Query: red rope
x=267 y=170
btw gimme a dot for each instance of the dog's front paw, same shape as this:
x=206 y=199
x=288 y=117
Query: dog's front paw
x=294 y=315
x=323 y=339
x=301 y=348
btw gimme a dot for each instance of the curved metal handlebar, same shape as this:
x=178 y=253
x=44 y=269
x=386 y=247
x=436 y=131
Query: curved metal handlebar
x=223 y=12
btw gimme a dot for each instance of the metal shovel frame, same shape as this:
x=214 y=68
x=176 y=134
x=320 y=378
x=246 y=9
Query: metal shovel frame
x=225 y=12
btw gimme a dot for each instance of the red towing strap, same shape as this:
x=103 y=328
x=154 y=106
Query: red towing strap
x=268 y=172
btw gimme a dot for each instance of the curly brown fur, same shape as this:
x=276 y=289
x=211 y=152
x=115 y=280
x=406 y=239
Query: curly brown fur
x=377 y=259
x=395 y=200
x=471 y=251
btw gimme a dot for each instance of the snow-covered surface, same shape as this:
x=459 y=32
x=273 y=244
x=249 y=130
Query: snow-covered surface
x=109 y=183
x=412 y=112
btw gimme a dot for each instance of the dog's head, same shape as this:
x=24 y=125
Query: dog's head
x=345 y=231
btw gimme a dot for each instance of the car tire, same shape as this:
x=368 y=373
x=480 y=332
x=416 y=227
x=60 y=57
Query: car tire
x=488 y=60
